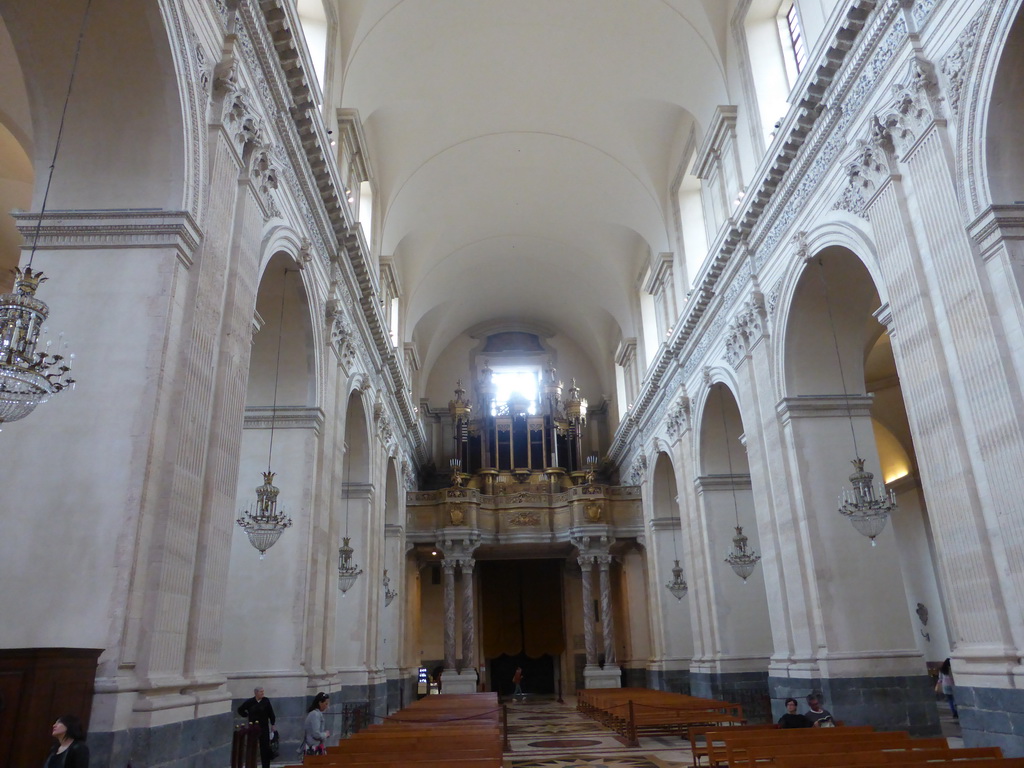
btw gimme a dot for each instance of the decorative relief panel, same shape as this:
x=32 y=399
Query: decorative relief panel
x=524 y=520
x=956 y=63
x=678 y=419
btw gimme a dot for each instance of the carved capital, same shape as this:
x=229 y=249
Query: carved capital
x=678 y=419
x=915 y=107
x=872 y=164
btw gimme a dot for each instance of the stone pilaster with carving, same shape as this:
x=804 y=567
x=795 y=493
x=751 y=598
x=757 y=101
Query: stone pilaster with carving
x=448 y=572
x=638 y=469
x=468 y=614
x=915 y=107
x=678 y=419
x=589 y=640
x=746 y=329
x=872 y=164
x=607 y=618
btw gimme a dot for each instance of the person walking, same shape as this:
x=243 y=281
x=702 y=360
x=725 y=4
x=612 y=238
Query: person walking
x=313 y=740
x=259 y=710
x=945 y=686
x=70 y=751
x=517 y=680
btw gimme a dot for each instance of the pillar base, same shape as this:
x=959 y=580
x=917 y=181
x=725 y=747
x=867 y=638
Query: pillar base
x=458 y=682
x=608 y=676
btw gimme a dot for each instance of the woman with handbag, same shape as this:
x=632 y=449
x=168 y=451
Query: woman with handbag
x=313 y=741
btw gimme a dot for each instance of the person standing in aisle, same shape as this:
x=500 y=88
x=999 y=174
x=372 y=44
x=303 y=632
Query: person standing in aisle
x=259 y=710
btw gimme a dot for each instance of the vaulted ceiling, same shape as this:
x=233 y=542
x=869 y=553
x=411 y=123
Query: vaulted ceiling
x=524 y=151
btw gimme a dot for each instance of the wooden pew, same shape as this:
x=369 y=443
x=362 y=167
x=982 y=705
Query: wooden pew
x=877 y=742
x=857 y=759
x=699 y=742
x=718 y=749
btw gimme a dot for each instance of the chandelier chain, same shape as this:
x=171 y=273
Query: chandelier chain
x=60 y=131
x=277 y=367
x=839 y=357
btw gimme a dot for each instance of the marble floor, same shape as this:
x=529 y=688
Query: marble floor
x=546 y=734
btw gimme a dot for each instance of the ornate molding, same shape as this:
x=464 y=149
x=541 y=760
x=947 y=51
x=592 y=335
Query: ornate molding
x=283 y=417
x=678 y=419
x=748 y=327
x=83 y=230
x=915 y=107
x=956 y=64
x=872 y=164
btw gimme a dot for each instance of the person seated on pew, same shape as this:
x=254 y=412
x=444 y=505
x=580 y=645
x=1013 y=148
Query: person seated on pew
x=792 y=718
x=819 y=716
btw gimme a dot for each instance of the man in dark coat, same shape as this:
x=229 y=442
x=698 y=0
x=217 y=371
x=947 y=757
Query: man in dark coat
x=259 y=710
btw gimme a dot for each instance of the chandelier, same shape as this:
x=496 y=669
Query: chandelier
x=741 y=558
x=27 y=377
x=265 y=524
x=677 y=586
x=389 y=593
x=348 y=571
x=866 y=505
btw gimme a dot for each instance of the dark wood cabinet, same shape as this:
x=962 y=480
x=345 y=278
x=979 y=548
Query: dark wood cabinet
x=38 y=685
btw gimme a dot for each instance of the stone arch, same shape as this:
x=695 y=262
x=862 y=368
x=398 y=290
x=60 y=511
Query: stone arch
x=738 y=638
x=672 y=624
x=841 y=390
x=982 y=69
x=125 y=63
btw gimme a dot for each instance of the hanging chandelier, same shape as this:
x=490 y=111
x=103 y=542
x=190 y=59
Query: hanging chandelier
x=389 y=594
x=348 y=571
x=866 y=505
x=27 y=378
x=741 y=558
x=677 y=586
x=265 y=524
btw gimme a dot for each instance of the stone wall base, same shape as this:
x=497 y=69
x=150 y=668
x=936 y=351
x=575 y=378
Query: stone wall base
x=202 y=743
x=749 y=689
x=602 y=677
x=992 y=717
x=672 y=680
x=898 y=703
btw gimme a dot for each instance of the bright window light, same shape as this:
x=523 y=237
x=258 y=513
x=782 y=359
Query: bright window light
x=523 y=382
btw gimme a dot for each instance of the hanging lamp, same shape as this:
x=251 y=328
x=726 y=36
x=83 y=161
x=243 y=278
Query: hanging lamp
x=677 y=586
x=741 y=558
x=28 y=378
x=264 y=524
x=866 y=505
x=348 y=571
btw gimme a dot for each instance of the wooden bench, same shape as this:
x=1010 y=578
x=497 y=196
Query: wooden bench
x=912 y=754
x=718 y=747
x=899 y=741
x=699 y=743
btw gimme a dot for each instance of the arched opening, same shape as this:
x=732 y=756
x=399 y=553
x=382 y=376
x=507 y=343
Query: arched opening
x=1004 y=154
x=280 y=433
x=670 y=617
x=735 y=661
x=844 y=400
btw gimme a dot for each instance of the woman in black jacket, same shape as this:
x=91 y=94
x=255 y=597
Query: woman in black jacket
x=70 y=751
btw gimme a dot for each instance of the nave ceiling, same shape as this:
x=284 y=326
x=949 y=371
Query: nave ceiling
x=523 y=152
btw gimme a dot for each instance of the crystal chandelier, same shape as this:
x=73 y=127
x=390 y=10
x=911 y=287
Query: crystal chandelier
x=265 y=525
x=348 y=571
x=865 y=505
x=741 y=558
x=27 y=377
x=677 y=586
x=389 y=593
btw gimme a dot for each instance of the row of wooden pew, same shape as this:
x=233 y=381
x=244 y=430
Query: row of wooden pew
x=764 y=746
x=635 y=711
x=451 y=731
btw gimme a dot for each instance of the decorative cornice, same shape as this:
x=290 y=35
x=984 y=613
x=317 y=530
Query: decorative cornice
x=824 y=406
x=84 y=230
x=283 y=417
